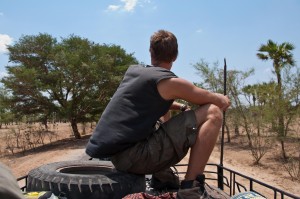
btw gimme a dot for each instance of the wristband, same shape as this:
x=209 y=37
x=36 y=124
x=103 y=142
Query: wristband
x=183 y=107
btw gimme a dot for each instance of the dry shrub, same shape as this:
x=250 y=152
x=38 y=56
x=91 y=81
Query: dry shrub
x=10 y=144
x=293 y=168
x=260 y=146
x=27 y=137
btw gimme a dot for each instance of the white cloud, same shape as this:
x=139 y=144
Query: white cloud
x=127 y=5
x=1 y=14
x=113 y=7
x=4 y=40
x=3 y=74
x=199 y=31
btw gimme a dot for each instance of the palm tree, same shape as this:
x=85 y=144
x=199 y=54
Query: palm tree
x=281 y=56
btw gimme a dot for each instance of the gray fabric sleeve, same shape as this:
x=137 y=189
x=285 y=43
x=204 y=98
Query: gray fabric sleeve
x=9 y=187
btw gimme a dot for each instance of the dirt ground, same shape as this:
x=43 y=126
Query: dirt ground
x=65 y=147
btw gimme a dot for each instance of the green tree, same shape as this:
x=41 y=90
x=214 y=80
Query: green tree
x=261 y=100
x=212 y=79
x=6 y=115
x=73 y=78
x=282 y=57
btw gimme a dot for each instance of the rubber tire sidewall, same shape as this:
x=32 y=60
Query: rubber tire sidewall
x=110 y=184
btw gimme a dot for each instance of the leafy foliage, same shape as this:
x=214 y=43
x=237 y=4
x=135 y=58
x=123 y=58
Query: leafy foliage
x=282 y=58
x=6 y=115
x=73 y=78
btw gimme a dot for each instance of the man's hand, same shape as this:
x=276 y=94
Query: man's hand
x=224 y=101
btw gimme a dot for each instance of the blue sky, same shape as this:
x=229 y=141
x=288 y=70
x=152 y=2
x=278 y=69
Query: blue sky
x=211 y=29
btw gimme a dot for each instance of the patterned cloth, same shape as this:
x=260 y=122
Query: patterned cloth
x=169 y=195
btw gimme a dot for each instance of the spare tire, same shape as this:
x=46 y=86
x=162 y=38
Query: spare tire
x=84 y=179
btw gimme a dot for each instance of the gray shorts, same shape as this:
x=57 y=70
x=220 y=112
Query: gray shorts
x=165 y=147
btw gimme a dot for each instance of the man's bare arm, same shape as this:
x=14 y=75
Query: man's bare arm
x=178 y=88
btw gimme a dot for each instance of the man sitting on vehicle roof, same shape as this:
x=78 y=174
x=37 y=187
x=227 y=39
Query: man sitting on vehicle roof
x=127 y=131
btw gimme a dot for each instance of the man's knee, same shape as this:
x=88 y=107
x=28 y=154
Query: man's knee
x=215 y=114
x=209 y=112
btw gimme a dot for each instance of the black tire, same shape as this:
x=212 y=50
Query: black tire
x=84 y=179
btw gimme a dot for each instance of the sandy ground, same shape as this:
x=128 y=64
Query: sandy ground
x=237 y=159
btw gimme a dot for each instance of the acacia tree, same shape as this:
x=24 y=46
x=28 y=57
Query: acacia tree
x=73 y=78
x=261 y=100
x=282 y=57
x=213 y=80
x=6 y=115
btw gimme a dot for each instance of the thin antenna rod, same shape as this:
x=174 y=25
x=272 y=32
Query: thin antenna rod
x=223 y=125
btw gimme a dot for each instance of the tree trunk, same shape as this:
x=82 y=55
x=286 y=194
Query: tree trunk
x=244 y=117
x=280 y=104
x=283 y=150
x=45 y=122
x=236 y=130
x=75 y=128
x=228 y=133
